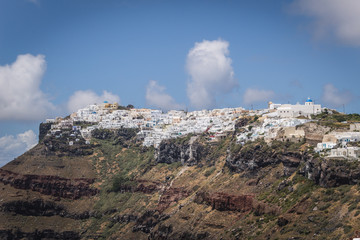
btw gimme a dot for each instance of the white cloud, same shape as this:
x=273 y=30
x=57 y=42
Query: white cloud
x=20 y=94
x=334 y=97
x=13 y=146
x=156 y=96
x=81 y=99
x=210 y=71
x=338 y=17
x=253 y=95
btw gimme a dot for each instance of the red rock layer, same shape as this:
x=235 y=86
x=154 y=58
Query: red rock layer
x=226 y=202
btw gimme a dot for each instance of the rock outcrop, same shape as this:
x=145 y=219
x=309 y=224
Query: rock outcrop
x=331 y=172
x=43 y=130
x=149 y=220
x=37 y=207
x=60 y=147
x=242 y=122
x=225 y=202
x=261 y=155
x=171 y=195
x=50 y=185
x=188 y=153
x=163 y=232
x=126 y=218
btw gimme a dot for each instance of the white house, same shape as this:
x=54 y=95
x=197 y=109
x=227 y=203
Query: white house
x=330 y=140
x=324 y=145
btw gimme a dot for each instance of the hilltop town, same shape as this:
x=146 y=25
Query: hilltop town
x=278 y=121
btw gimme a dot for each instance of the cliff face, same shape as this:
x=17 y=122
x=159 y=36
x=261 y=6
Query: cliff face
x=331 y=172
x=188 y=188
x=49 y=185
x=36 y=207
x=43 y=130
x=61 y=147
x=189 y=152
x=259 y=155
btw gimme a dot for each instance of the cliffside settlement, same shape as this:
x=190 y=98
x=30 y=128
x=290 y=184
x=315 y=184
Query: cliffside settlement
x=278 y=121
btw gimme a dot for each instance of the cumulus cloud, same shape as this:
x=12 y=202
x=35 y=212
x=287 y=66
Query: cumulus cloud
x=211 y=73
x=156 y=96
x=20 y=95
x=334 y=97
x=338 y=17
x=253 y=95
x=13 y=146
x=82 y=98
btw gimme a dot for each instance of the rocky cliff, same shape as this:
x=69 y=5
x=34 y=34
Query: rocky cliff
x=331 y=172
x=258 y=155
x=189 y=152
x=187 y=188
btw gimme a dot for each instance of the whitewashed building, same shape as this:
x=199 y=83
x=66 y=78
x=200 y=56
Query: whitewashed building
x=289 y=110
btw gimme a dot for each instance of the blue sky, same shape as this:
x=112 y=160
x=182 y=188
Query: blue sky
x=171 y=54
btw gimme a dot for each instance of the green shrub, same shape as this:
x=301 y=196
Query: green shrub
x=209 y=171
x=329 y=191
x=324 y=207
x=121 y=182
x=345 y=199
x=352 y=206
x=303 y=230
x=347 y=228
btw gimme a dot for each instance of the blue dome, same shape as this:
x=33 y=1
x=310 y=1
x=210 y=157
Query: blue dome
x=309 y=100
x=105 y=101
